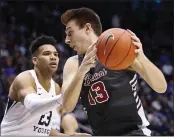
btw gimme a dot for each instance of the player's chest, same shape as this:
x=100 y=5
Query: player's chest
x=101 y=75
x=94 y=86
x=45 y=94
x=98 y=84
x=42 y=124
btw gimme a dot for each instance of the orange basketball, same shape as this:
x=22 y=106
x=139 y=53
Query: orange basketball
x=115 y=49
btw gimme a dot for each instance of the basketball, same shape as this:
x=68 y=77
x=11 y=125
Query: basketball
x=115 y=49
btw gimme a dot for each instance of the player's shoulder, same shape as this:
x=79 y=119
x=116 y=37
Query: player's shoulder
x=72 y=62
x=24 y=77
x=21 y=81
x=73 y=59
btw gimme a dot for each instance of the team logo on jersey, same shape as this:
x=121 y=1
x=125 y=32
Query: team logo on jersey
x=90 y=78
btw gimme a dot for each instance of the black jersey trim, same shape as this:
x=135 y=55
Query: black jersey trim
x=10 y=103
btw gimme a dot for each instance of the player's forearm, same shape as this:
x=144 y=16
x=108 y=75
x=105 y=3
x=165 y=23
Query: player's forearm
x=72 y=92
x=152 y=75
x=38 y=105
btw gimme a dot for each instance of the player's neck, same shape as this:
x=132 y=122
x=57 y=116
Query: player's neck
x=43 y=78
x=93 y=38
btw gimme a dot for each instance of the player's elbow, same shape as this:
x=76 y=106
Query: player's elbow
x=161 y=88
x=68 y=108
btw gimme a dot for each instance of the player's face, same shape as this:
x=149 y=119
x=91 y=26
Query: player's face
x=77 y=38
x=47 y=58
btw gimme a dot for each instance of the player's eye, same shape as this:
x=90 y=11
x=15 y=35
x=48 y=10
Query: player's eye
x=46 y=53
x=56 y=54
x=70 y=33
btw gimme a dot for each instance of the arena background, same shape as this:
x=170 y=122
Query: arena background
x=151 y=20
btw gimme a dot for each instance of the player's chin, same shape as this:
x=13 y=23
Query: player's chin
x=80 y=52
x=53 y=68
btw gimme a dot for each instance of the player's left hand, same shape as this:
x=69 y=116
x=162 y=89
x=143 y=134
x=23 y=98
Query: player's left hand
x=80 y=134
x=139 y=49
x=136 y=42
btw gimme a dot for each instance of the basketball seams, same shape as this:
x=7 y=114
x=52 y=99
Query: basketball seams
x=102 y=40
x=125 y=56
x=124 y=49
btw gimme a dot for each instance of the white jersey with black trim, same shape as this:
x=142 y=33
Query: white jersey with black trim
x=56 y=121
x=19 y=121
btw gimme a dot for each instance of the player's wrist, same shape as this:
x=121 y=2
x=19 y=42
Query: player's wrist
x=81 y=72
x=142 y=58
x=134 y=64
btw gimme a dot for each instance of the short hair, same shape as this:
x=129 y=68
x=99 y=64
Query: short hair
x=42 y=40
x=82 y=16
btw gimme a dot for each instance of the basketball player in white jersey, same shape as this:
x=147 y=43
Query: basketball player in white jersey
x=33 y=95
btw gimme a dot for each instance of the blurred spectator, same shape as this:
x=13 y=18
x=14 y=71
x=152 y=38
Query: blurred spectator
x=8 y=68
x=115 y=21
x=167 y=68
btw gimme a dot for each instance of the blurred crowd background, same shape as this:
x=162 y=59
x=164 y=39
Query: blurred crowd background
x=151 y=20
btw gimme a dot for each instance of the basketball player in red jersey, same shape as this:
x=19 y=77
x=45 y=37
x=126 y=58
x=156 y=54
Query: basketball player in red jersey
x=109 y=97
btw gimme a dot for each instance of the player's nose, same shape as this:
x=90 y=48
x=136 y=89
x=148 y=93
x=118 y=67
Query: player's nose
x=53 y=57
x=67 y=41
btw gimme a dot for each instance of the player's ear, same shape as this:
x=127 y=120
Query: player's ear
x=34 y=60
x=88 y=28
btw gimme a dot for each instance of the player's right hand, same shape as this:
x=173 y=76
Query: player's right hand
x=89 y=59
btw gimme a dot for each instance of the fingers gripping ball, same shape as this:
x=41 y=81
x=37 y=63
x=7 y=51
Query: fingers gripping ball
x=115 y=49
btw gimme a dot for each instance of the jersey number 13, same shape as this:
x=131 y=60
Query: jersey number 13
x=101 y=94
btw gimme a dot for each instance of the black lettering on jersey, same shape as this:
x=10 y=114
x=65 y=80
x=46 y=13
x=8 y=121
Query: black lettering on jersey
x=41 y=130
x=35 y=128
x=48 y=131
x=45 y=119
